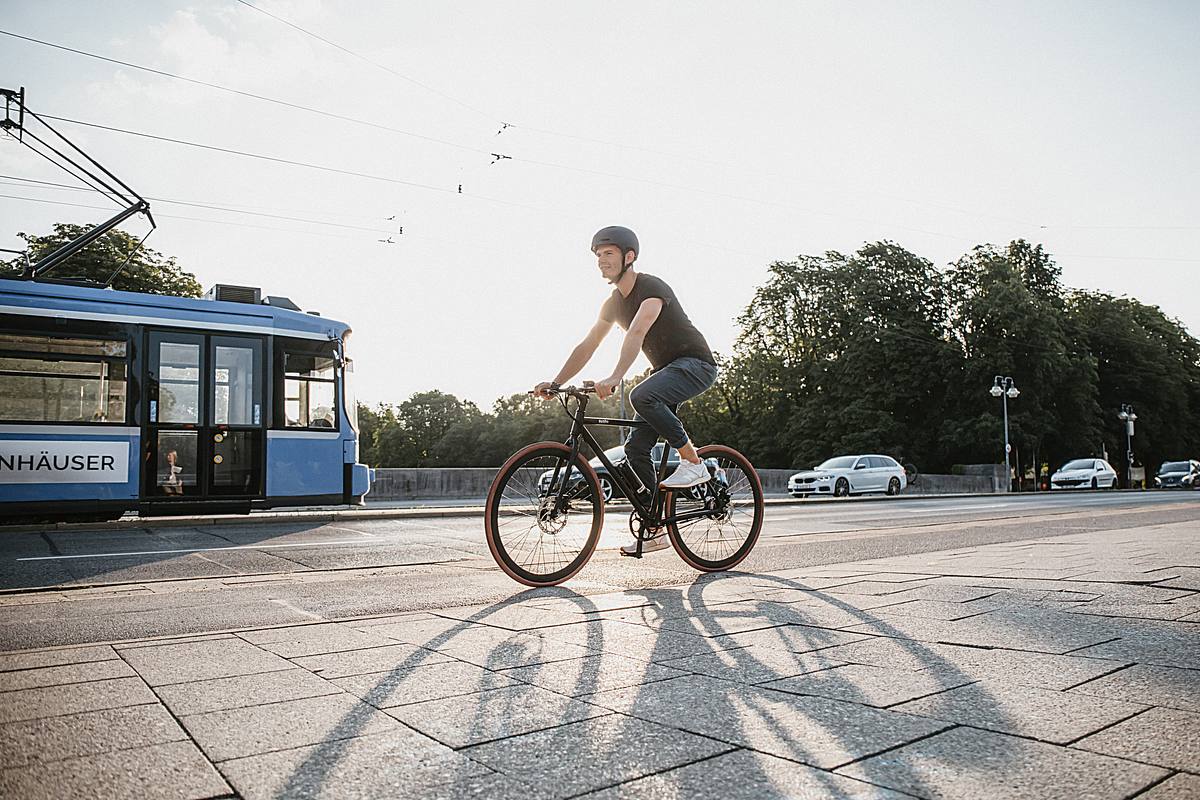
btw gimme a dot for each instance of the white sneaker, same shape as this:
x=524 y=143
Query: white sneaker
x=657 y=543
x=685 y=475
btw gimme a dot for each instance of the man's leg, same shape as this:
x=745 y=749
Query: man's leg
x=637 y=451
x=656 y=399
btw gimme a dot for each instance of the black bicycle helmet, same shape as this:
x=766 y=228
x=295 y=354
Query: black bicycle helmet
x=622 y=237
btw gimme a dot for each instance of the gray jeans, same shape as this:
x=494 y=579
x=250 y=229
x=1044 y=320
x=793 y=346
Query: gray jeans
x=656 y=400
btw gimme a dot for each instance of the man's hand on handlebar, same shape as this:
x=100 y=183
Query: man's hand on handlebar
x=606 y=387
x=544 y=390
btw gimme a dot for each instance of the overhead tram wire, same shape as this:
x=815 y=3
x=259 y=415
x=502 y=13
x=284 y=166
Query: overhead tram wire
x=467 y=148
x=377 y=65
x=190 y=219
x=10 y=181
x=578 y=137
x=648 y=181
x=250 y=95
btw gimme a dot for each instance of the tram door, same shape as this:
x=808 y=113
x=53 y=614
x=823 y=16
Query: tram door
x=206 y=417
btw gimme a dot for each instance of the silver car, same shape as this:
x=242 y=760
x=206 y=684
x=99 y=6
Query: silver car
x=845 y=475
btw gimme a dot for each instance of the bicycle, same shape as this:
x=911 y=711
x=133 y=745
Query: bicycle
x=545 y=508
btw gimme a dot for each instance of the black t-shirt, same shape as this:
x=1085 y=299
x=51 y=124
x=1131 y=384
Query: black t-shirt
x=671 y=336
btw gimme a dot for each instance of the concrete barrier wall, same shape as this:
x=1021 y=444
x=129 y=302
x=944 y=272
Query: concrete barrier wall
x=458 y=483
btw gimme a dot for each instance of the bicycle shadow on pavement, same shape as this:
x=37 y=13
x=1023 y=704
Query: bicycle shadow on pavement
x=705 y=689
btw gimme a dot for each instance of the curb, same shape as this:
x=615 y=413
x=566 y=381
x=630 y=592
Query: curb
x=443 y=512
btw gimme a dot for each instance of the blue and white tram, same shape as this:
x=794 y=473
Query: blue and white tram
x=118 y=401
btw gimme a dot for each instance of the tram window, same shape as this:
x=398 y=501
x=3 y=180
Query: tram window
x=178 y=382
x=236 y=385
x=62 y=379
x=309 y=383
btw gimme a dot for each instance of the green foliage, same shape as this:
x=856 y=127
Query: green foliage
x=434 y=429
x=148 y=271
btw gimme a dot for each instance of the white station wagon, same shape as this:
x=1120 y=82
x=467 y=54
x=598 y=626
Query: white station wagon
x=846 y=475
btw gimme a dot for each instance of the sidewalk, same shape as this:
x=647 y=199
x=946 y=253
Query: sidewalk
x=1060 y=667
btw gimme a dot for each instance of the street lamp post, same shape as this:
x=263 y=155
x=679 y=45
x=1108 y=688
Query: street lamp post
x=1003 y=388
x=1128 y=417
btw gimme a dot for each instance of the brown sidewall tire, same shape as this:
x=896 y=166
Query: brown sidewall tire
x=490 y=513
x=714 y=451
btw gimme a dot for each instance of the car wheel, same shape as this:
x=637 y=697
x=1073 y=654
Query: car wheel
x=606 y=488
x=893 y=486
x=841 y=488
x=1094 y=484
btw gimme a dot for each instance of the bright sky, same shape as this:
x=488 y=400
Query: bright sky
x=727 y=135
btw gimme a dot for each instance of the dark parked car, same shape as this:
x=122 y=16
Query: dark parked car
x=1178 y=475
x=617 y=456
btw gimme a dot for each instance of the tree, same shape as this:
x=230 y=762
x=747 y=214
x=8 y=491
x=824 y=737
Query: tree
x=1150 y=361
x=1007 y=317
x=148 y=271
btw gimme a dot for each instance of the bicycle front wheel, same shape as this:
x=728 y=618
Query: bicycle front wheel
x=729 y=512
x=538 y=538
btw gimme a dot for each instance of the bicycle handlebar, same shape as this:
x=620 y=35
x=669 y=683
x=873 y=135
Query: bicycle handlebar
x=589 y=387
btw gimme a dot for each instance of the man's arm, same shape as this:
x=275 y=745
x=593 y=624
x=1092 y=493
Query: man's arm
x=580 y=356
x=646 y=316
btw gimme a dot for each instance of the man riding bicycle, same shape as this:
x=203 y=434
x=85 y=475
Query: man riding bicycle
x=683 y=365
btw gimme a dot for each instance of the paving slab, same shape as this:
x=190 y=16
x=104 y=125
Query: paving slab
x=170 y=771
x=874 y=587
x=53 y=658
x=1012 y=666
x=74 y=698
x=1100 y=608
x=933 y=609
x=1177 y=787
x=424 y=630
x=238 y=732
x=594 y=673
x=476 y=718
x=417 y=684
x=811 y=730
x=1033 y=629
x=754 y=664
x=952 y=593
x=604 y=751
x=966 y=763
x=1168 y=644
x=394 y=765
x=873 y=686
x=1166 y=737
x=371 y=659
x=196 y=661
x=1155 y=686
x=66 y=673
x=502 y=649
x=239 y=691
x=794 y=638
x=511 y=616
x=1058 y=717
x=638 y=642
x=90 y=733
x=742 y=615
x=745 y=775
x=312 y=640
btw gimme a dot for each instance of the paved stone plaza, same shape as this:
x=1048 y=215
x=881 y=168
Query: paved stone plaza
x=1065 y=667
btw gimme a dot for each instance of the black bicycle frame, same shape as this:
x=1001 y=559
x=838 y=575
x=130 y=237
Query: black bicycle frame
x=651 y=515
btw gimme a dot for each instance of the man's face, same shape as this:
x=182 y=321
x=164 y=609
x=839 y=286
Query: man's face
x=608 y=258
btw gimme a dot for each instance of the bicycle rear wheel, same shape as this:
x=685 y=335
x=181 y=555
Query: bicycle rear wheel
x=721 y=539
x=535 y=538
